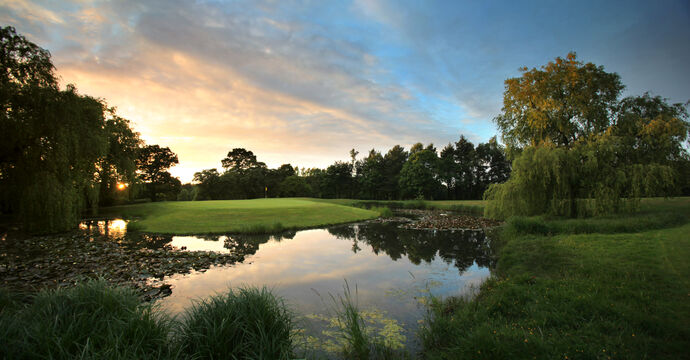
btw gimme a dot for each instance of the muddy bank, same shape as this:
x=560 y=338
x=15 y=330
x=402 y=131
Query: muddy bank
x=444 y=220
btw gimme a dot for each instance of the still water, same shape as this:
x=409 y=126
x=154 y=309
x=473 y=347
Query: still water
x=389 y=270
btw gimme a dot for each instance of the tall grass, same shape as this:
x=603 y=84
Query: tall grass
x=360 y=341
x=92 y=320
x=95 y=320
x=246 y=323
x=384 y=212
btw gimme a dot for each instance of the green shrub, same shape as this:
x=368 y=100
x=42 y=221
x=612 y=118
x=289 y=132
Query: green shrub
x=384 y=212
x=91 y=320
x=246 y=323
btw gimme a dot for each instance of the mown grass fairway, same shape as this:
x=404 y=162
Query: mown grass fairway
x=593 y=289
x=236 y=216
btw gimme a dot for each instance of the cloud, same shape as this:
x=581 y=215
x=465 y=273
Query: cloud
x=204 y=78
x=305 y=81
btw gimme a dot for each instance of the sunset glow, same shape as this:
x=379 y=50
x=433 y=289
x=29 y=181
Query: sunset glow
x=303 y=83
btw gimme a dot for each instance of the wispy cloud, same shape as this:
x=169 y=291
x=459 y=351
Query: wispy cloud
x=305 y=81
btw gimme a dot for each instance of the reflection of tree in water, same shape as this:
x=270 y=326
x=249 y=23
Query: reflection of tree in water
x=460 y=248
x=147 y=241
x=242 y=245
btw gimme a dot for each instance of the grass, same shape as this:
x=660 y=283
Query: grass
x=359 y=340
x=246 y=323
x=384 y=212
x=89 y=321
x=95 y=320
x=586 y=288
x=236 y=216
x=473 y=207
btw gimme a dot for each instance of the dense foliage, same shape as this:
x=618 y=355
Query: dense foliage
x=578 y=150
x=462 y=171
x=61 y=152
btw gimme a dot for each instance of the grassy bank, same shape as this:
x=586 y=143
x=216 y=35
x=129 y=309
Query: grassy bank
x=474 y=207
x=586 y=288
x=236 y=216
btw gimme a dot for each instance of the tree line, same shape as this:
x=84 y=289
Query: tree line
x=573 y=147
x=63 y=153
x=458 y=171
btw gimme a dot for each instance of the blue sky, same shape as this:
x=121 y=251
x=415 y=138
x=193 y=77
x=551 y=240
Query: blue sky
x=302 y=82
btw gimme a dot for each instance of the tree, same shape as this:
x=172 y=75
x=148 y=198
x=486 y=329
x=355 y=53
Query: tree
x=120 y=163
x=52 y=140
x=393 y=163
x=563 y=101
x=448 y=170
x=651 y=130
x=493 y=166
x=581 y=151
x=240 y=160
x=293 y=186
x=153 y=163
x=467 y=168
x=372 y=176
x=418 y=177
x=338 y=180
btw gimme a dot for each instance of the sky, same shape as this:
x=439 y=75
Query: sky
x=303 y=82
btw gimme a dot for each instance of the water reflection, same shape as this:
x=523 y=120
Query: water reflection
x=390 y=267
x=113 y=229
x=234 y=244
x=461 y=248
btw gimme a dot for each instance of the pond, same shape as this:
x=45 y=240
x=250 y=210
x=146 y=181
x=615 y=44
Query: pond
x=388 y=269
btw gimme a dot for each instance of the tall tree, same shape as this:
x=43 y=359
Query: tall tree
x=467 y=166
x=52 y=140
x=418 y=177
x=372 y=178
x=584 y=152
x=338 y=180
x=393 y=163
x=120 y=163
x=448 y=170
x=559 y=103
x=240 y=160
x=153 y=163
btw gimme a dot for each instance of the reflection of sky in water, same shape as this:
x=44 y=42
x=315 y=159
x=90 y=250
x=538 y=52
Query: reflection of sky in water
x=193 y=243
x=115 y=229
x=313 y=265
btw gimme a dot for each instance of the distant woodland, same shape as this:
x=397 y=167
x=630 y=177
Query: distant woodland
x=572 y=147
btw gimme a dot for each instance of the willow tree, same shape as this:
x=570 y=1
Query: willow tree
x=119 y=165
x=578 y=150
x=52 y=140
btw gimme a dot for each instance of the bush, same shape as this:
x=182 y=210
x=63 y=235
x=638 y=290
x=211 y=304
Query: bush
x=243 y=324
x=91 y=320
x=384 y=212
